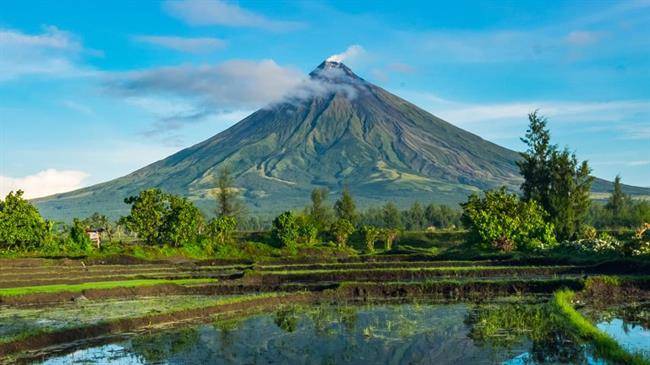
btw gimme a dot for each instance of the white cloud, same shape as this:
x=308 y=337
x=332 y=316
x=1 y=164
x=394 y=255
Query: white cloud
x=43 y=183
x=216 y=12
x=238 y=84
x=352 y=52
x=53 y=52
x=184 y=44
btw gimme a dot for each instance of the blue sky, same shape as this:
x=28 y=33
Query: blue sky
x=92 y=90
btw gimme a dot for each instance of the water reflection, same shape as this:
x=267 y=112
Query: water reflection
x=380 y=334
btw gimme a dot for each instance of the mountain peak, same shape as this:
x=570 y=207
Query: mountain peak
x=332 y=70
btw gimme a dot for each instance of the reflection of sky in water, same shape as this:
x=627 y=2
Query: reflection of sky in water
x=630 y=336
x=526 y=359
x=403 y=334
x=113 y=354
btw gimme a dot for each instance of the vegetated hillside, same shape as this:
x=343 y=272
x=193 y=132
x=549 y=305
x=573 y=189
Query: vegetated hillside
x=337 y=129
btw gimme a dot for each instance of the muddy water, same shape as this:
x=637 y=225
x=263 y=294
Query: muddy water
x=375 y=334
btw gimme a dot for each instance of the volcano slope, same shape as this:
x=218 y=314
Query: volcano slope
x=336 y=129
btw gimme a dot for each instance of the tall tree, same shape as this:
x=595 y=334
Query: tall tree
x=618 y=201
x=568 y=193
x=417 y=219
x=391 y=216
x=345 y=207
x=319 y=212
x=555 y=179
x=534 y=165
x=229 y=204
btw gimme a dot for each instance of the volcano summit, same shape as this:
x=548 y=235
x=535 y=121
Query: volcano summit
x=335 y=129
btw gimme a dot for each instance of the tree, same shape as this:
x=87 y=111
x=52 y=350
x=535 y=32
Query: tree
x=417 y=218
x=345 y=207
x=534 y=165
x=341 y=230
x=568 y=194
x=370 y=236
x=183 y=222
x=505 y=222
x=389 y=235
x=220 y=229
x=158 y=218
x=285 y=230
x=391 y=216
x=320 y=214
x=78 y=234
x=618 y=202
x=228 y=201
x=148 y=213
x=21 y=225
x=555 y=179
x=307 y=231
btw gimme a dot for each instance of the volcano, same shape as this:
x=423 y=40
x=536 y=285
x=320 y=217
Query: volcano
x=336 y=129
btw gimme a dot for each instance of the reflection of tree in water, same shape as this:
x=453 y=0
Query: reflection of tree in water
x=510 y=325
x=327 y=318
x=287 y=318
x=637 y=314
x=226 y=329
x=158 y=347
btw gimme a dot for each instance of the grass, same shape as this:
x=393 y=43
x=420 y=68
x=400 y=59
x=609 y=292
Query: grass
x=55 y=288
x=604 y=345
x=444 y=269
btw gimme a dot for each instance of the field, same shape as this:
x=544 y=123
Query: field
x=53 y=307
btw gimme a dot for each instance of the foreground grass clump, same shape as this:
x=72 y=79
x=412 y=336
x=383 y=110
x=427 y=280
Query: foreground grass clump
x=604 y=345
x=55 y=288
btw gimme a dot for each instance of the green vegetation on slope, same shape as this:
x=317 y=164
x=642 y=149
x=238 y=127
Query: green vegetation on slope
x=604 y=345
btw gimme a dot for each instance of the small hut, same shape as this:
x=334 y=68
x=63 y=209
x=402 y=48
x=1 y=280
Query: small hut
x=95 y=235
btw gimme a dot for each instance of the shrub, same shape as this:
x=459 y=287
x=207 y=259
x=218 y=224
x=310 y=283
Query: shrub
x=220 y=229
x=79 y=236
x=341 y=230
x=370 y=234
x=389 y=235
x=505 y=222
x=603 y=243
x=285 y=230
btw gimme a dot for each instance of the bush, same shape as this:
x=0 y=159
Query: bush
x=505 y=222
x=285 y=230
x=221 y=228
x=370 y=234
x=21 y=225
x=341 y=230
x=604 y=243
x=388 y=235
x=78 y=235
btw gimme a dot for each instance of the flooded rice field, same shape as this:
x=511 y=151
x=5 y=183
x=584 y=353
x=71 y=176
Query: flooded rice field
x=460 y=333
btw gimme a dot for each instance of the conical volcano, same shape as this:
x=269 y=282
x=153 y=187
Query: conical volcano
x=334 y=129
